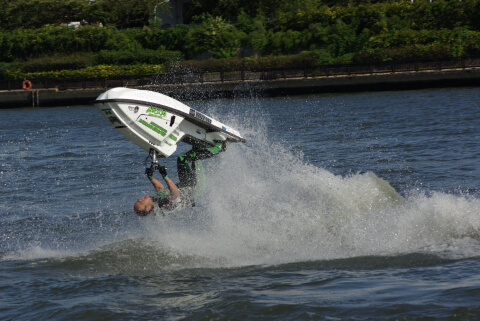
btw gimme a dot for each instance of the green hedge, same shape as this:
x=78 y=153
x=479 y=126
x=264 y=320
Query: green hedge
x=56 y=62
x=36 y=13
x=23 y=44
x=89 y=72
x=328 y=31
x=140 y=56
x=235 y=64
x=4 y=69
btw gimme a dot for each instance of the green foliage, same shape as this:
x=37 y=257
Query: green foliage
x=235 y=64
x=19 y=44
x=285 y=42
x=211 y=65
x=256 y=34
x=409 y=44
x=141 y=56
x=37 y=13
x=327 y=31
x=403 y=53
x=305 y=58
x=170 y=39
x=120 y=41
x=224 y=8
x=215 y=36
x=89 y=72
x=55 y=62
x=3 y=70
x=129 y=14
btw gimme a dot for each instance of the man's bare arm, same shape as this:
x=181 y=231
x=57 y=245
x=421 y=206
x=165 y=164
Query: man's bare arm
x=174 y=192
x=158 y=186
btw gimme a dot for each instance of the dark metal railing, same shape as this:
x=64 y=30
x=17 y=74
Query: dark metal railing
x=414 y=65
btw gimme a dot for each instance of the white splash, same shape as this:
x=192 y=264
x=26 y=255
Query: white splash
x=264 y=205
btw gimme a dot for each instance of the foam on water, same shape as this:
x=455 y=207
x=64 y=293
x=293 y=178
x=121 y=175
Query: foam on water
x=265 y=205
x=35 y=252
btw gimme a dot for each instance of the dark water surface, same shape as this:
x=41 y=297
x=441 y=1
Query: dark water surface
x=350 y=206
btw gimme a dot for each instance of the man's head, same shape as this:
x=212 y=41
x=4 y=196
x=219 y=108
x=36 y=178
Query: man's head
x=144 y=206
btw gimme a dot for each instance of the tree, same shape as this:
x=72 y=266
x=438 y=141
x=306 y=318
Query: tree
x=215 y=36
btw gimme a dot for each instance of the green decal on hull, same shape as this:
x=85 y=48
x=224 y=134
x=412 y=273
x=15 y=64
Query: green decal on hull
x=156 y=112
x=155 y=127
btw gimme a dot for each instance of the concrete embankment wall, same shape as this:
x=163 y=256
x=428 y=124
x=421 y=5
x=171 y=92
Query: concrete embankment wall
x=289 y=86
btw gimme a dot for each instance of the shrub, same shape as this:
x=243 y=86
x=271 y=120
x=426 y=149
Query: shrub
x=169 y=39
x=234 y=64
x=404 y=53
x=56 y=62
x=215 y=36
x=89 y=72
x=3 y=70
x=141 y=56
x=21 y=44
x=226 y=64
x=305 y=58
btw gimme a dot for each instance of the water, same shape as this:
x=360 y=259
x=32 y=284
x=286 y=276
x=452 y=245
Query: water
x=351 y=206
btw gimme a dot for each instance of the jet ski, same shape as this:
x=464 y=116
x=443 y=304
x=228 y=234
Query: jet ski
x=158 y=123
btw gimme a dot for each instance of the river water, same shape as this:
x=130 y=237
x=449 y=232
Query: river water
x=346 y=206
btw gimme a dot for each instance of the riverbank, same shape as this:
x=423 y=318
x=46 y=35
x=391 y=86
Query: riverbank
x=278 y=87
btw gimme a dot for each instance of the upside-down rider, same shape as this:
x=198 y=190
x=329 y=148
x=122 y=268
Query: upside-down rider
x=192 y=180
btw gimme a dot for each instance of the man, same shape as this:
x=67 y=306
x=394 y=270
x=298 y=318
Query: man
x=192 y=181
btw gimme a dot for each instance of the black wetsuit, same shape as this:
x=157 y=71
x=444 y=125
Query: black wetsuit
x=192 y=180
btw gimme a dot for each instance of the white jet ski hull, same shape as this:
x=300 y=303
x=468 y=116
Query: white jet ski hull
x=155 y=121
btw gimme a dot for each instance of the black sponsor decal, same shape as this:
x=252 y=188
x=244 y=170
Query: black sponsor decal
x=113 y=120
x=200 y=116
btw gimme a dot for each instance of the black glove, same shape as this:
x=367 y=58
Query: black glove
x=163 y=171
x=149 y=172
